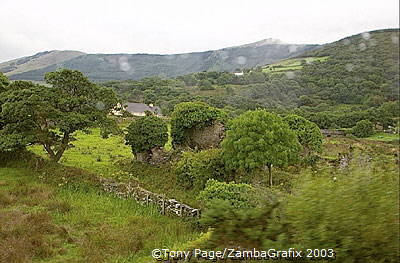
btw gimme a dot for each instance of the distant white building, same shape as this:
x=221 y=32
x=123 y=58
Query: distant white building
x=238 y=73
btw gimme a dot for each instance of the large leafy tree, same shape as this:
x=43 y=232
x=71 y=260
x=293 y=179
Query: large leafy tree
x=145 y=134
x=258 y=139
x=49 y=115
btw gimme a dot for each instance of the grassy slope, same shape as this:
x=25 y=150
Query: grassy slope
x=71 y=223
x=291 y=64
x=100 y=156
x=384 y=137
x=93 y=153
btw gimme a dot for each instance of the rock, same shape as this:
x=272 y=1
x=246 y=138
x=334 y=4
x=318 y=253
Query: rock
x=206 y=137
x=159 y=155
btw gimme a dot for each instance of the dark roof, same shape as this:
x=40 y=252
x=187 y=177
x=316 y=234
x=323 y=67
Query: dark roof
x=141 y=108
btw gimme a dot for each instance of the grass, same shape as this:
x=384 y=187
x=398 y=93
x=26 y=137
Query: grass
x=162 y=180
x=42 y=222
x=291 y=64
x=93 y=153
x=384 y=137
x=65 y=220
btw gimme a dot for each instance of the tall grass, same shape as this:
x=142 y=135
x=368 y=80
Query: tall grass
x=74 y=223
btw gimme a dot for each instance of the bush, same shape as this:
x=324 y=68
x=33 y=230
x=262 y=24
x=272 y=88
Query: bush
x=363 y=129
x=308 y=133
x=191 y=115
x=145 y=133
x=205 y=84
x=194 y=169
x=246 y=228
x=356 y=215
x=237 y=195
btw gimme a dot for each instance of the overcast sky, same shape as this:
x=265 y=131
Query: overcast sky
x=177 y=26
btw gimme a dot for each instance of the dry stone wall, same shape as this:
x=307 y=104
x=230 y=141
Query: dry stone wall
x=164 y=204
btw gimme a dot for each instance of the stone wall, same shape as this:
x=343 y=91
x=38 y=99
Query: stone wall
x=329 y=133
x=164 y=204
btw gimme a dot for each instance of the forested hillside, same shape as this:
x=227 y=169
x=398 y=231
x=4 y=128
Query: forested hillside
x=336 y=86
x=103 y=67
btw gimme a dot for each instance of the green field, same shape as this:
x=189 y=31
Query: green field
x=93 y=153
x=384 y=137
x=45 y=222
x=291 y=64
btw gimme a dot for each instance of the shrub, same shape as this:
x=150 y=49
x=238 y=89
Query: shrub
x=307 y=132
x=146 y=133
x=243 y=227
x=363 y=128
x=356 y=215
x=205 y=84
x=237 y=195
x=194 y=169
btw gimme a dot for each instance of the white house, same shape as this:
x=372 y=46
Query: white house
x=238 y=73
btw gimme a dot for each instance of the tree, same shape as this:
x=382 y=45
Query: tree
x=258 y=139
x=146 y=133
x=4 y=82
x=149 y=96
x=50 y=115
x=308 y=133
x=363 y=128
x=191 y=115
x=205 y=84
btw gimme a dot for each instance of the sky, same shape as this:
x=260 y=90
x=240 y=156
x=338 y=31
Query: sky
x=179 y=26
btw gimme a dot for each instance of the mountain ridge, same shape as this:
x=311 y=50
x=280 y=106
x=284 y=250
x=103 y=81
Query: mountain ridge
x=103 y=67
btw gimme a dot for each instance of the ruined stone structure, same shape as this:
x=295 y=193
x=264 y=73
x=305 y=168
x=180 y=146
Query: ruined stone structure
x=206 y=137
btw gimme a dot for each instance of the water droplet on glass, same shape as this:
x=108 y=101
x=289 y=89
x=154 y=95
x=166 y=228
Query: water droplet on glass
x=124 y=64
x=100 y=105
x=293 y=48
x=241 y=60
x=290 y=74
x=349 y=67
x=395 y=39
x=346 y=42
x=366 y=35
x=372 y=42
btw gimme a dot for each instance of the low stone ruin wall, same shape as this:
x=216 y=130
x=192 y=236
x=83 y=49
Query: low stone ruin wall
x=329 y=133
x=164 y=204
